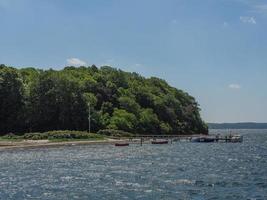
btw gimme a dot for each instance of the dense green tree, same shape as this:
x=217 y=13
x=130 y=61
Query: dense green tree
x=129 y=104
x=11 y=100
x=165 y=128
x=57 y=103
x=148 y=122
x=123 y=120
x=43 y=100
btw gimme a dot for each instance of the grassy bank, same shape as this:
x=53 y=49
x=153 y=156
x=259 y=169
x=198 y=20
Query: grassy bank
x=56 y=136
x=66 y=135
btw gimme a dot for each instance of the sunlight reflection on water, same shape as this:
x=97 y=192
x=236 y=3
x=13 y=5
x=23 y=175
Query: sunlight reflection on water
x=180 y=170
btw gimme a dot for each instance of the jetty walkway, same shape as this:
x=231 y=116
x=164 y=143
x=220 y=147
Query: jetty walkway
x=191 y=138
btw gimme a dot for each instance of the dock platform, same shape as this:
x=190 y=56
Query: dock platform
x=190 y=138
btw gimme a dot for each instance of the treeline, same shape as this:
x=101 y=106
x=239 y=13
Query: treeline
x=35 y=100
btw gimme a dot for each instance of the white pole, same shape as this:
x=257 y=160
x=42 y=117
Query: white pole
x=89 y=118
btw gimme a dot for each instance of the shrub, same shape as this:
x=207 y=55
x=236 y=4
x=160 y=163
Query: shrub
x=114 y=133
x=11 y=136
x=35 y=136
x=62 y=135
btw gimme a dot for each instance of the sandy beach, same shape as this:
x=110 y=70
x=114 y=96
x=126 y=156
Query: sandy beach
x=4 y=145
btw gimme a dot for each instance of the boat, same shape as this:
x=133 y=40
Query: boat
x=236 y=138
x=159 y=142
x=121 y=144
x=203 y=139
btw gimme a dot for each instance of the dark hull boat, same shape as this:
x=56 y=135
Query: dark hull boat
x=121 y=144
x=203 y=139
x=159 y=142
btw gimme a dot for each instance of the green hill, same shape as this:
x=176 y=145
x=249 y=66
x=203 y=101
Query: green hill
x=44 y=100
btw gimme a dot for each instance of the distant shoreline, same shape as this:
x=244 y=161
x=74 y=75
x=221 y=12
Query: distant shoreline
x=243 y=125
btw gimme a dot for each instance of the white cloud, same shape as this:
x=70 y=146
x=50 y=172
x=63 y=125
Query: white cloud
x=111 y=60
x=225 y=24
x=108 y=62
x=75 y=62
x=173 y=21
x=254 y=6
x=261 y=8
x=247 y=20
x=234 y=86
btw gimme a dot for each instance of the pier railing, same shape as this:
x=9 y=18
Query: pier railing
x=168 y=136
x=217 y=138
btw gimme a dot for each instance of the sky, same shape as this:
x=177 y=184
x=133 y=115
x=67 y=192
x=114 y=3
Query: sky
x=216 y=50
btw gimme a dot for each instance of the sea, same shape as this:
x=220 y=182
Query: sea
x=181 y=170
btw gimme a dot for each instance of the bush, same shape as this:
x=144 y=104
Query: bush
x=114 y=133
x=10 y=136
x=35 y=136
x=61 y=135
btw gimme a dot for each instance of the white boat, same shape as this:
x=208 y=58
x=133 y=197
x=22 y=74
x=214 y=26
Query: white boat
x=236 y=138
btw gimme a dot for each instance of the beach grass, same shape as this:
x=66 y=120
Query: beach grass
x=54 y=136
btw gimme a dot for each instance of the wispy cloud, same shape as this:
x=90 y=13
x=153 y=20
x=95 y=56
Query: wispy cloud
x=75 y=62
x=108 y=62
x=137 y=65
x=247 y=20
x=225 y=24
x=255 y=6
x=173 y=21
x=234 y=86
x=260 y=8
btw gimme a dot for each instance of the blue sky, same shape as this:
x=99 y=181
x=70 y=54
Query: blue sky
x=216 y=50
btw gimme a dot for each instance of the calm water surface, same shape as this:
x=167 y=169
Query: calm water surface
x=176 y=171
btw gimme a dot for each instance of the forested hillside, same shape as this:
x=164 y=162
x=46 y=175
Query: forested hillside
x=34 y=100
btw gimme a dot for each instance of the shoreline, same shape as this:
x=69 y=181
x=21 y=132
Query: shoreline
x=26 y=144
x=44 y=143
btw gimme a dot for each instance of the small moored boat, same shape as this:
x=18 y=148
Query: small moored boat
x=203 y=139
x=159 y=142
x=121 y=144
x=236 y=138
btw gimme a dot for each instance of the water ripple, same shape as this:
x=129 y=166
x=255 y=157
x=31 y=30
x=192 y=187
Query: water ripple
x=177 y=171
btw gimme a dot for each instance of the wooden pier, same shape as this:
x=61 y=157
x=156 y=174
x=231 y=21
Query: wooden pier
x=188 y=138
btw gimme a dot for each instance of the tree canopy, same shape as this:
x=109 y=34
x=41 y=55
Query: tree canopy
x=44 y=100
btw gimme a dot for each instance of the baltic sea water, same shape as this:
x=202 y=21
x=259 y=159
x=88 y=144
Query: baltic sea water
x=179 y=170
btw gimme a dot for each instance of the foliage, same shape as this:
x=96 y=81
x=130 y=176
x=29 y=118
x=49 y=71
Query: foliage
x=54 y=135
x=122 y=120
x=11 y=100
x=114 y=133
x=148 y=122
x=10 y=136
x=33 y=100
